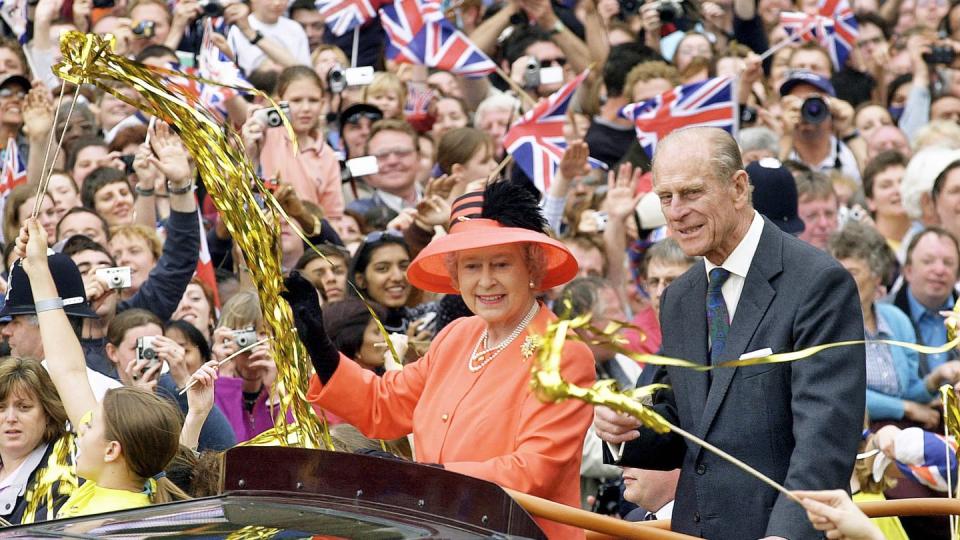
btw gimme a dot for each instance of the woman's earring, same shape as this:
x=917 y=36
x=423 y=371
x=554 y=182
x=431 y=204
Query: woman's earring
x=531 y=283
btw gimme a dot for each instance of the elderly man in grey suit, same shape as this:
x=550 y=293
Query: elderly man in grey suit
x=758 y=290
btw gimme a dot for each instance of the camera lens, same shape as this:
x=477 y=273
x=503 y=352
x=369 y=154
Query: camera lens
x=629 y=7
x=814 y=110
x=669 y=11
x=149 y=354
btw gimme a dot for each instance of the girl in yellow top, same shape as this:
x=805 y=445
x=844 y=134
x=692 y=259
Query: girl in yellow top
x=125 y=441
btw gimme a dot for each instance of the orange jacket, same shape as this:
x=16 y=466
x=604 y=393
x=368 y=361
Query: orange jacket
x=487 y=424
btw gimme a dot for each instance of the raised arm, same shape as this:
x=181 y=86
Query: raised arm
x=65 y=360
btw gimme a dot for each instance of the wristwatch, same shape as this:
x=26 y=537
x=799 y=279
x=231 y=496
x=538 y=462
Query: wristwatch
x=257 y=36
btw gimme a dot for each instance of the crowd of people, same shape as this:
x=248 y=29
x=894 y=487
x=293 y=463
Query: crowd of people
x=832 y=214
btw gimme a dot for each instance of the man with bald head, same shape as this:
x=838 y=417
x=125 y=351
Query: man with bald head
x=758 y=291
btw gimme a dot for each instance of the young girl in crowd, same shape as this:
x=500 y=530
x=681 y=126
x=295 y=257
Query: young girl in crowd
x=467 y=153
x=388 y=93
x=197 y=308
x=64 y=192
x=125 y=441
x=451 y=114
x=314 y=172
x=19 y=207
x=244 y=395
x=138 y=247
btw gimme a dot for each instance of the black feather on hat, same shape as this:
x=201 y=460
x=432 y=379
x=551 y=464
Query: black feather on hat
x=512 y=206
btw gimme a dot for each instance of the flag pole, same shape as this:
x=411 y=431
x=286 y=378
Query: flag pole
x=773 y=50
x=521 y=93
x=356 y=46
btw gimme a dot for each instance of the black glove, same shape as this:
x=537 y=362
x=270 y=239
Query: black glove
x=305 y=303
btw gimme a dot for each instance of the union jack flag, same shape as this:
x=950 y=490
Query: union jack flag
x=705 y=103
x=14 y=169
x=808 y=27
x=846 y=29
x=536 y=140
x=214 y=65
x=420 y=34
x=205 y=271
x=14 y=13
x=345 y=15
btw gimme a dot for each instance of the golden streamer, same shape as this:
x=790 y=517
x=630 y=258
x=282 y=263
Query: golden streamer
x=549 y=385
x=951 y=428
x=57 y=478
x=228 y=176
x=254 y=532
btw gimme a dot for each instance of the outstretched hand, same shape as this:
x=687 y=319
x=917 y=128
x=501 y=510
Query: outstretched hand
x=31 y=247
x=172 y=158
x=836 y=515
x=304 y=300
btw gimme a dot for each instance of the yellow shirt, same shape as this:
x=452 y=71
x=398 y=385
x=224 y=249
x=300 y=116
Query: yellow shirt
x=93 y=499
x=891 y=527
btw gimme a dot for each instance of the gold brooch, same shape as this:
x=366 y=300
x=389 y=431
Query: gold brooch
x=529 y=346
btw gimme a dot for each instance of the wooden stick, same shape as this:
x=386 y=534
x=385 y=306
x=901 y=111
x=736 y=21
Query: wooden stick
x=224 y=361
x=45 y=179
x=493 y=176
x=772 y=50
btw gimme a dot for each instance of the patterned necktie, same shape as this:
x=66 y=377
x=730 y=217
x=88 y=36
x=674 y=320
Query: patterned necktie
x=718 y=319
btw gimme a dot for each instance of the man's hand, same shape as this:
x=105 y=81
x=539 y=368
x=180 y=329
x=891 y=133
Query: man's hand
x=926 y=416
x=790 y=114
x=614 y=427
x=236 y=14
x=170 y=156
x=38 y=113
x=842 y=113
x=403 y=220
x=573 y=163
x=148 y=176
x=621 y=200
x=432 y=211
x=185 y=12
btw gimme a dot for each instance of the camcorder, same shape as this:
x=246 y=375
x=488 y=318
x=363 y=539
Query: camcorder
x=118 y=277
x=357 y=167
x=339 y=77
x=534 y=75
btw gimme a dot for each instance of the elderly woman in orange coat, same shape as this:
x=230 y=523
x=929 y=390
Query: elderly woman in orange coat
x=468 y=401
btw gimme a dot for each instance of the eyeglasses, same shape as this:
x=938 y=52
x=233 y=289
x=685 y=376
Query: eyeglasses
x=356 y=117
x=553 y=62
x=399 y=152
x=9 y=92
x=377 y=236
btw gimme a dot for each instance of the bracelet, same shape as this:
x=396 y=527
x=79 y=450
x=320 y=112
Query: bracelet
x=181 y=190
x=50 y=304
x=144 y=192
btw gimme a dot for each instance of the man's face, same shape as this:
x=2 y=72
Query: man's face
x=355 y=135
x=161 y=23
x=802 y=92
x=590 y=260
x=702 y=211
x=868 y=42
x=644 y=90
x=312 y=23
x=811 y=60
x=494 y=122
x=887 y=138
x=396 y=154
x=84 y=223
x=23 y=335
x=549 y=55
x=660 y=274
x=88 y=262
x=819 y=219
x=946 y=108
x=931 y=270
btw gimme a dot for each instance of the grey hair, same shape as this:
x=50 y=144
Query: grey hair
x=725 y=157
x=667 y=252
x=758 y=138
x=858 y=241
x=534 y=257
x=495 y=102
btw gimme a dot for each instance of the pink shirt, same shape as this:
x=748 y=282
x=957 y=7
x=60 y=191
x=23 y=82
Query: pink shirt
x=314 y=173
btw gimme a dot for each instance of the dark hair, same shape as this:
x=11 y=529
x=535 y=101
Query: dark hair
x=582 y=294
x=301 y=5
x=895 y=85
x=522 y=37
x=78 y=242
x=198 y=475
x=936 y=231
x=326 y=250
x=98 y=179
x=84 y=210
x=942 y=179
x=193 y=335
x=876 y=20
x=127 y=136
x=127 y=320
x=346 y=321
x=155 y=51
x=80 y=144
x=361 y=259
x=880 y=163
x=18 y=375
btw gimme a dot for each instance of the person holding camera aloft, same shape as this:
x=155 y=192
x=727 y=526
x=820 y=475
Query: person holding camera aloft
x=243 y=390
x=815 y=125
x=260 y=32
x=314 y=172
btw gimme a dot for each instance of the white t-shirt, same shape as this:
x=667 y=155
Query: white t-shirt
x=99 y=382
x=285 y=31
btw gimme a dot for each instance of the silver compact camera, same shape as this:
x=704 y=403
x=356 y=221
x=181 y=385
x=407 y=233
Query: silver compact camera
x=245 y=338
x=271 y=116
x=116 y=278
x=146 y=350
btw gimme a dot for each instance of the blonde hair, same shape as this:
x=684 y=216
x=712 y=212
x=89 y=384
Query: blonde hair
x=241 y=311
x=385 y=82
x=942 y=133
x=136 y=231
x=648 y=71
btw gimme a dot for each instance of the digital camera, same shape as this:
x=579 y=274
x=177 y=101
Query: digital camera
x=535 y=75
x=940 y=54
x=116 y=278
x=337 y=79
x=271 y=115
x=814 y=110
x=669 y=10
x=245 y=338
x=211 y=8
x=144 y=29
x=146 y=350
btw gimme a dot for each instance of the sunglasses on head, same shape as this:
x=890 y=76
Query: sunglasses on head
x=553 y=62
x=377 y=236
x=356 y=117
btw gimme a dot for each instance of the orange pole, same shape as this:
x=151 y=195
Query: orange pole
x=912 y=507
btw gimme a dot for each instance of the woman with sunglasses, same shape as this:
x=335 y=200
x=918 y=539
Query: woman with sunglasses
x=379 y=271
x=468 y=400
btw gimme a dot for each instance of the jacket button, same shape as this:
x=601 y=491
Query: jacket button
x=696 y=517
x=701 y=469
x=445 y=417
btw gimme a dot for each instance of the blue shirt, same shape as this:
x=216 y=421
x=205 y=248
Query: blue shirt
x=932 y=331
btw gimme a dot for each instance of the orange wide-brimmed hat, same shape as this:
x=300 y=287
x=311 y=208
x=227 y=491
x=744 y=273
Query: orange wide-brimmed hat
x=474 y=226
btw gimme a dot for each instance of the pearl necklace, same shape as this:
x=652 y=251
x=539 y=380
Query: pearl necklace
x=487 y=355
